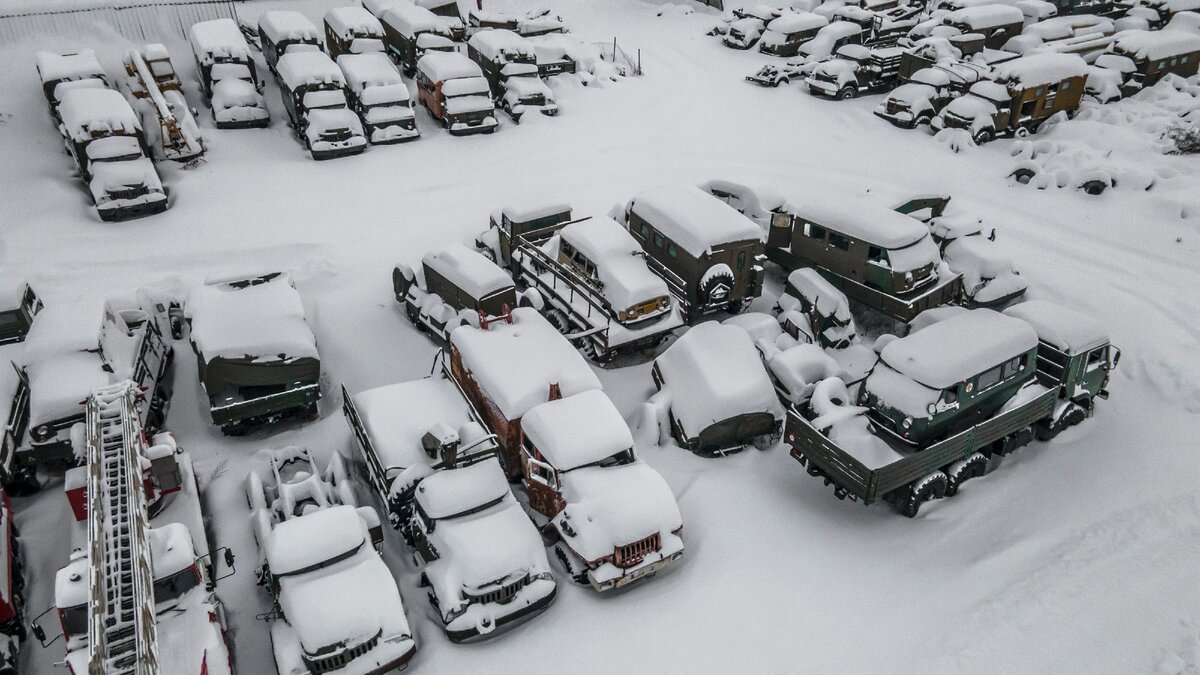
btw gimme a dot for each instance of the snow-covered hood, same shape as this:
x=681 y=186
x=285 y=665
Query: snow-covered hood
x=323 y=121
x=971 y=108
x=524 y=87
x=748 y=27
x=611 y=507
x=125 y=175
x=461 y=105
x=235 y=93
x=839 y=70
x=497 y=545
x=912 y=95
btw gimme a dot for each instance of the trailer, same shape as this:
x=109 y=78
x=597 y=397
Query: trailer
x=156 y=93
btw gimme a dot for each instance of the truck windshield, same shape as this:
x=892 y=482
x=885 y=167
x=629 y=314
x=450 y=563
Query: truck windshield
x=231 y=71
x=114 y=149
x=74 y=620
x=326 y=98
x=173 y=587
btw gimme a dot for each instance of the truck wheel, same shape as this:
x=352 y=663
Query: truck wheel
x=923 y=490
x=719 y=282
x=846 y=93
x=973 y=466
x=983 y=137
x=922 y=119
x=563 y=557
x=558 y=319
x=1021 y=132
x=488 y=253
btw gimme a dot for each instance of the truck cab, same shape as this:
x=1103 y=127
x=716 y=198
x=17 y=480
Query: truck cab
x=228 y=75
x=855 y=69
x=352 y=30
x=996 y=23
x=785 y=34
x=507 y=224
x=410 y=32
x=316 y=98
x=380 y=98
x=1074 y=354
x=17 y=313
x=284 y=31
x=61 y=73
x=454 y=90
x=457 y=285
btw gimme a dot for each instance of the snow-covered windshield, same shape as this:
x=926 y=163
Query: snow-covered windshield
x=174 y=586
x=326 y=98
x=230 y=71
x=914 y=256
x=114 y=149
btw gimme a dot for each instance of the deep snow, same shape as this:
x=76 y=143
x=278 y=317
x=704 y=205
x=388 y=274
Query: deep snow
x=1077 y=556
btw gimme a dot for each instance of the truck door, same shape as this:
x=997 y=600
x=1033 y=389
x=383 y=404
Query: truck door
x=780 y=233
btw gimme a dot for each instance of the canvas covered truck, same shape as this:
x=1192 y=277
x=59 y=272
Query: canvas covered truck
x=453 y=89
x=716 y=392
x=228 y=75
x=882 y=258
x=284 y=31
x=855 y=69
x=710 y=255
x=335 y=605
x=946 y=399
x=256 y=355
x=71 y=349
x=1142 y=58
x=156 y=94
x=352 y=30
x=140 y=584
x=316 y=98
x=509 y=365
x=615 y=519
x=455 y=286
x=785 y=34
x=60 y=73
x=1024 y=94
x=590 y=278
x=410 y=31
x=380 y=98
x=104 y=138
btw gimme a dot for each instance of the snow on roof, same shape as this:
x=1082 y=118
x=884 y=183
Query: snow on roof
x=286 y=24
x=79 y=66
x=933 y=77
x=64 y=327
x=1155 y=45
x=837 y=30
x=171 y=549
x=989 y=90
x=853 y=51
x=523 y=213
x=985 y=16
x=933 y=315
x=104 y=111
x=828 y=300
x=408 y=19
x=59 y=385
x=960 y=347
x=614 y=506
x=619 y=263
x=297 y=69
x=468 y=269
x=1059 y=27
x=767 y=198
x=794 y=22
x=1069 y=330
x=263 y=321
x=577 y=430
x=802 y=366
x=451 y=492
x=353 y=21
x=516 y=363
x=866 y=221
x=494 y=43
x=397 y=416
x=369 y=70
x=1036 y=70
x=442 y=66
x=299 y=543
x=71 y=584
x=466 y=86
x=760 y=325
x=218 y=38
x=713 y=374
x=693 y=218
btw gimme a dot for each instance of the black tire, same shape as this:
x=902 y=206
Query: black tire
x=714 y=282
x=922 y=119
x=488 y=253
x=983 y=137
x=923 y=490
x=558 y=319
x=846 y=93
x=962 y=471
x=1094 y=187
x=1023 y=175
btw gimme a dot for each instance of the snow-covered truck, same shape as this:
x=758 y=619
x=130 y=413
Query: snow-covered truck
x=336 y=607
x=316 y=99
x=946 y=399
x=812 y=310
x=12 y=589
x=453 y=89
x=989 y=279
x=455 y=286
x=71 y=349
x=17 y=311
x=256 y=355
x=509 y=365
x=507 y=224
x=855 y=69
x=710 y=255
x=410 y=32
x=526 y=24
x=228 y=76
x=155 y=92
x=509 y=62
x=104 y=138
x=1142 y=58
x=591 y=280
x=61 y=73
x=380 y=98
x=1025 y=93
x=927 y=91
x=616 y=520
x=352 y=30
x=717 y=393
x=284 y=31
x=449 y=13
x=882 y=258
x=785 y=34
x=997 y=23
x=748 y=25
x=141 y=578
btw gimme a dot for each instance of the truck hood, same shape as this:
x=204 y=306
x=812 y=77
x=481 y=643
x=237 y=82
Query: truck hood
x=334 y=119
x=119 y=176
x=611 y=507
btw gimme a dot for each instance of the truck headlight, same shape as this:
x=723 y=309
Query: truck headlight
x=907 y=422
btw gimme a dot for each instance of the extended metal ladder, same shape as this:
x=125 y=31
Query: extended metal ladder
x=121 y=630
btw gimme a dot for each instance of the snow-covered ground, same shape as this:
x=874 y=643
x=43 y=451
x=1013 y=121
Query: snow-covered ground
x=1076 y=556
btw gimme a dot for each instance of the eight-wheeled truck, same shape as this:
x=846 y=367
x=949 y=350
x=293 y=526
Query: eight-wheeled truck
x=1030 y=373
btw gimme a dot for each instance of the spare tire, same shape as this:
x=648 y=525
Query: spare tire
x=716 y=285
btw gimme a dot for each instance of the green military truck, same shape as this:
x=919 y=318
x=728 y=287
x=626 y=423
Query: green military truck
x=507 y=224
x=256 y=355
x=946 y=399
x=455 y=285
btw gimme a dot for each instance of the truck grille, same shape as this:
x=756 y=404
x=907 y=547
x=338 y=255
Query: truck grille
x=336 y=135
x=894 y=107
x=502 y=595
x=129 y=192
x=327 y=664
x=953 y=121
x=632 y=554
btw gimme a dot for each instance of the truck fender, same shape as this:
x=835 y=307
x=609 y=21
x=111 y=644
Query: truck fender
x=531 y=297
x=403 y=278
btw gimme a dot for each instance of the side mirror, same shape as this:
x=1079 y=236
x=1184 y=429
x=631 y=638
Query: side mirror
x=229 y=558
x=38 y=632
x=931 y=409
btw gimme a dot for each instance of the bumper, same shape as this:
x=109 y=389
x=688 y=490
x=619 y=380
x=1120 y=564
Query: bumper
x=821 y=87
x=242 y=118
x=394 y=133
x=507 y=621
x=738 y=43
x=902 y=119
x=485 y=126
x=330 y=150
x=266 y=409
x=635 y=574
x=125 y=210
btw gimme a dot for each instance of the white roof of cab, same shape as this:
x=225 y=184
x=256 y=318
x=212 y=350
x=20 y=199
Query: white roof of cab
x=960 y=347
x=985 y=16
x=297 y=69
x=451 y=492
x=350 y=21
x=86 y=110
x=693 y=218
x=397 y=416
x=373 y=69
x=408 y=19
x=491 y=43
x=516 y=363
x=314 y=538
x=577 y=430
x=794 y=22
x=523 y=213
x=1036 y=70
x=78 y=66
x=286 y=24
x=623 y=271
x=1070 y=331
x=218 y=38
x=1154 y=45
x=933 y=77
x=866 y=221
x=261 y=321
x=443 y=66
x=468 y=269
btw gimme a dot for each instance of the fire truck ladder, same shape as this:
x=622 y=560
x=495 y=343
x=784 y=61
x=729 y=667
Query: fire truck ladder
x=177 y=143
x=121 y=630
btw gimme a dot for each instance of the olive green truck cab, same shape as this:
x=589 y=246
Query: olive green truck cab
x=945 y=400
x=456 y=285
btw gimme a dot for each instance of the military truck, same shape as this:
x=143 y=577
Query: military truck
x=380 y=98
x=61 y=73
x=855 y=69
x=927 y=91
x=996 y=23
x=281 y=31
x=317 y=102
x=228 y=76
x=448 y=12
x=256 y=355
x=507 y=224
x=1145 y=57
x=495 y=51
x=456 y=286
x=710 y=255
x=455 y=92
x=16 y=314
x=784 y=35
x=528 y=24
x=1026 y=92
x=879 y=257
x=352 y=30
x=409 y=32
x=812 y=311
x=946 y=399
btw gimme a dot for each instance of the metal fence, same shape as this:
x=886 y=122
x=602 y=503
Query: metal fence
x=138 y=22
x=611 y=51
